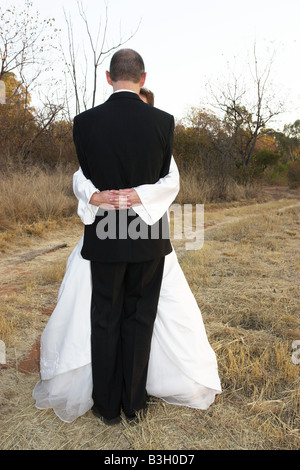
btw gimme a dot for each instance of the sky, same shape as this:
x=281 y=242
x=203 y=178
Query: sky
x=187 y=44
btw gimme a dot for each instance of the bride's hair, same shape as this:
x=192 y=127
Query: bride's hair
x=148 y=95
x=126 y=64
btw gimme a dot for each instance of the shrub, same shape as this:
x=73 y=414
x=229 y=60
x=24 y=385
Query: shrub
x=293 y=172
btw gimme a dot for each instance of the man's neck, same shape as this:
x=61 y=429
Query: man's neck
x=126 y=85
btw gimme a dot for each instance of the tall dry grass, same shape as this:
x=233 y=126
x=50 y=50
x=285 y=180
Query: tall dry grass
x=32 y=194
x=34 y=201
x=195 y=189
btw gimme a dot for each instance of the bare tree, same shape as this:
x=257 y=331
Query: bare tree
x=98 y=50
x=24 y=42
x=25 y=45
x=248 y=108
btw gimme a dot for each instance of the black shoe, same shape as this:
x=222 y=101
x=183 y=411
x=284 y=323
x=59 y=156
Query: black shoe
x=108 y=422
x=138 y=416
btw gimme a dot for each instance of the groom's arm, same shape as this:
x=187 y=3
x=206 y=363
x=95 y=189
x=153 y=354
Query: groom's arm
x=168 y=149
x=157 y=198
x=79 y=148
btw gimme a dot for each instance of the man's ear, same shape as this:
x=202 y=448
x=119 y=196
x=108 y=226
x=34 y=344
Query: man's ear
x=143 y=79
x=109 y=80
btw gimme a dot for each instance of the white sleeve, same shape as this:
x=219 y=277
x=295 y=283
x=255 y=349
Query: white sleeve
x=83 y=190
x=157 y=198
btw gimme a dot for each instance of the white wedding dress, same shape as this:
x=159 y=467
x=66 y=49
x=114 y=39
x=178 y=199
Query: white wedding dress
x=182 y=367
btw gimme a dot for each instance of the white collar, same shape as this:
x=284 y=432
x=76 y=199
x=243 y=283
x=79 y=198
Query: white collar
x=131 y=91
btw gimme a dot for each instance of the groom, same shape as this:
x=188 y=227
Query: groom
x=121 y=144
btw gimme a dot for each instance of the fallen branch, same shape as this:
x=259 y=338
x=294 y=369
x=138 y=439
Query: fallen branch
x=34 y=254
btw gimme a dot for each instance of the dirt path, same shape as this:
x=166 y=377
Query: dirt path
x=57 y=246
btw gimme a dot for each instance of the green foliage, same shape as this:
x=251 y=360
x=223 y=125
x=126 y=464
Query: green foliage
x=288 y=141
x=294 y=174
x=243 y=174
x=276 y=175
x=263 y=159
x=186 y=148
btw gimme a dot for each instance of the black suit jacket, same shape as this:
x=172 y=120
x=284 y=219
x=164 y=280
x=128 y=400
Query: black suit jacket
x=121 y=144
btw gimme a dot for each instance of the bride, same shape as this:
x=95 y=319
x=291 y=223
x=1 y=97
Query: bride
x=182 y=366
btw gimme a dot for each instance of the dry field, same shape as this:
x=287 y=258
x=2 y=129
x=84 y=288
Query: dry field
x=246 y=282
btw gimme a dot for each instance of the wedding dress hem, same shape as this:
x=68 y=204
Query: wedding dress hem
x=182 y=365
x=69 y=395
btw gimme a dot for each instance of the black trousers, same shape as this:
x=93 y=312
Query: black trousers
x=123 y=311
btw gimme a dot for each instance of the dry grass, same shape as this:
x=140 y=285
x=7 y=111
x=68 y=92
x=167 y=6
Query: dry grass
x=250 y=270
x=245 y=281
x=194 y=189
x=34 y=200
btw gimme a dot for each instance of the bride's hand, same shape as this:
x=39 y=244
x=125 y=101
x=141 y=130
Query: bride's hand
x=124 y=198
x=102 y=199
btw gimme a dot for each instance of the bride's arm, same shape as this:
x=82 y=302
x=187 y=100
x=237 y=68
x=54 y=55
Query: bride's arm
x=83 y=190
x=157 y=198
x=150 y=201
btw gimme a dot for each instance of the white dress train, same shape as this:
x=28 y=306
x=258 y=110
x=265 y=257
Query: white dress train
x=182 y=366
